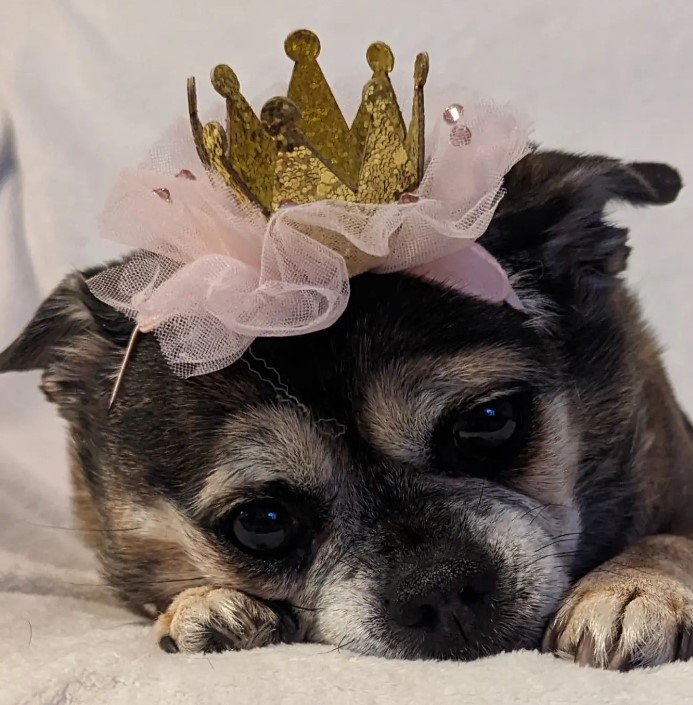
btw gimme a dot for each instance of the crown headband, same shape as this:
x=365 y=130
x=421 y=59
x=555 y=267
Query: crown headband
x=254 y=228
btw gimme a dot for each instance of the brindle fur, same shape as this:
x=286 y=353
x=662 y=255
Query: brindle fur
x=592 y=524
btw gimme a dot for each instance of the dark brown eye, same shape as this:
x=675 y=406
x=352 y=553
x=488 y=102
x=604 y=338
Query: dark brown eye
x=263 y=528
x=483 y=439
x=487 y=426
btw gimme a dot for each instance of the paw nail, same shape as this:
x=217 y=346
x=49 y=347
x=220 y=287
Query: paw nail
x=168 y=645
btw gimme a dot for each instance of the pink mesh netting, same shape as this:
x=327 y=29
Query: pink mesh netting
x=211 y=273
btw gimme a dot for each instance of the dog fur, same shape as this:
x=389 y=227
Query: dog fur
x=585 y=535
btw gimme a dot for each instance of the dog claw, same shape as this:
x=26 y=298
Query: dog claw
x=167 y=644
x=585 y=652
x=685 y=646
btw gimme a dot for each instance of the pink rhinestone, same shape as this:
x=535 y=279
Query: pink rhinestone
x=285 y=203
x=186 y=174
x=453 y=113
x=460 y=136
x=163 y=193
x=408 y=198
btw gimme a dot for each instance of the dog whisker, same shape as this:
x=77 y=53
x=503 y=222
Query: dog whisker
x=31 y=632
x=76 y=529
x=567 y=554
x=168 y=581
x=341 y=645
x=481 y=497
x=561 y=538
x=134 y=623
x=301 y=608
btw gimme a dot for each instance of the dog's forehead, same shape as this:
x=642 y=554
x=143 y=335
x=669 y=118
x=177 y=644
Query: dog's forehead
x=403 y=350
x=281 y=411
x=300 y=433
x=397 y=334
x=394 y=317
x=268 y=444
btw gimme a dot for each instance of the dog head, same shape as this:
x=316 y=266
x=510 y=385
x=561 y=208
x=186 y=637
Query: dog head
x=415 y=480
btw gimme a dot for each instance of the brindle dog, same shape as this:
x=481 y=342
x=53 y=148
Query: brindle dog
x=431 y=477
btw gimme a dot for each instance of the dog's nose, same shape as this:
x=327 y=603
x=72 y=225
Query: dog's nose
x=445 y=604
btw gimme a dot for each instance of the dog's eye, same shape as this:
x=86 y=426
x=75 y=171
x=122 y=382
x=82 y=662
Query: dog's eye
x=263 y=527
x=485 y=438
x=486 y=426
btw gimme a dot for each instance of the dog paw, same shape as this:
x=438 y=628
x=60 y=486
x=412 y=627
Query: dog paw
x=206 y=619
x=623 y=618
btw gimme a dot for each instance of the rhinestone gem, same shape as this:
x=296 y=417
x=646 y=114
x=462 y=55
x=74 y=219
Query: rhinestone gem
x=453 y=113
x=460 y=136
x=163 y=193
x=287 y=202
x=408 y=198
x=186 y=174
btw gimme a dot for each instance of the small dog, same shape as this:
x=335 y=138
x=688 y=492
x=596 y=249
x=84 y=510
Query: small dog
x=431 y=477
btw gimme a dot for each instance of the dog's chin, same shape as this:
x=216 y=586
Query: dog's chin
x=515 y=637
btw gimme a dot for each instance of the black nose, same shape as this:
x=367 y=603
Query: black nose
x=446 y=606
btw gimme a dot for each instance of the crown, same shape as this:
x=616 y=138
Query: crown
x=301 y=149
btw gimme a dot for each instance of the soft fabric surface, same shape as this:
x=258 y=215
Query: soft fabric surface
x=81 y=656
x=86 y=86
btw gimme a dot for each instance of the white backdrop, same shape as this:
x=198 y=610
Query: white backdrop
x=87 y=85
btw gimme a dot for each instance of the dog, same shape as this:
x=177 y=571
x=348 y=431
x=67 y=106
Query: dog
x=432 y=477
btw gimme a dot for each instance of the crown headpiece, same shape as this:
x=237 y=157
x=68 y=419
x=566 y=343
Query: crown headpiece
x=254 y=227
x=301 y=149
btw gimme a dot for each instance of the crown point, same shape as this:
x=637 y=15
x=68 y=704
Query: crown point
x=279 y=114
x=214 y=140
x=302 y=45
x=421 y=69
x=380 y=58
x=373 y=91
x=192 y=96
x=225 y=81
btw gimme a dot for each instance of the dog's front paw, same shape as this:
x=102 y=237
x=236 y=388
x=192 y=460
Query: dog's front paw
x=206 y=619
x=619 y=617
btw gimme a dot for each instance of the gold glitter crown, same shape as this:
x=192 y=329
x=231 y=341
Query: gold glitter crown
x=301 y=149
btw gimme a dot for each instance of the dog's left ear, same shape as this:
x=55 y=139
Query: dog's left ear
x=69 y=335
x=63 y=324
x=553 y=215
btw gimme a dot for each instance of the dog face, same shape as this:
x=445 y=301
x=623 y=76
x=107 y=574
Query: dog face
x=425 y=478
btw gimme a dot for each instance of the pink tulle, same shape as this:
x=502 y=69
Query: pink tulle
x=210 y=273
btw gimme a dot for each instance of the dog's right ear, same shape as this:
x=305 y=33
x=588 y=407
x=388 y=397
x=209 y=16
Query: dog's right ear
x=68 y=314
x=551 y=225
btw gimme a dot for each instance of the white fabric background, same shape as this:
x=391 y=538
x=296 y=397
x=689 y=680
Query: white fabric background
x=87 y=85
